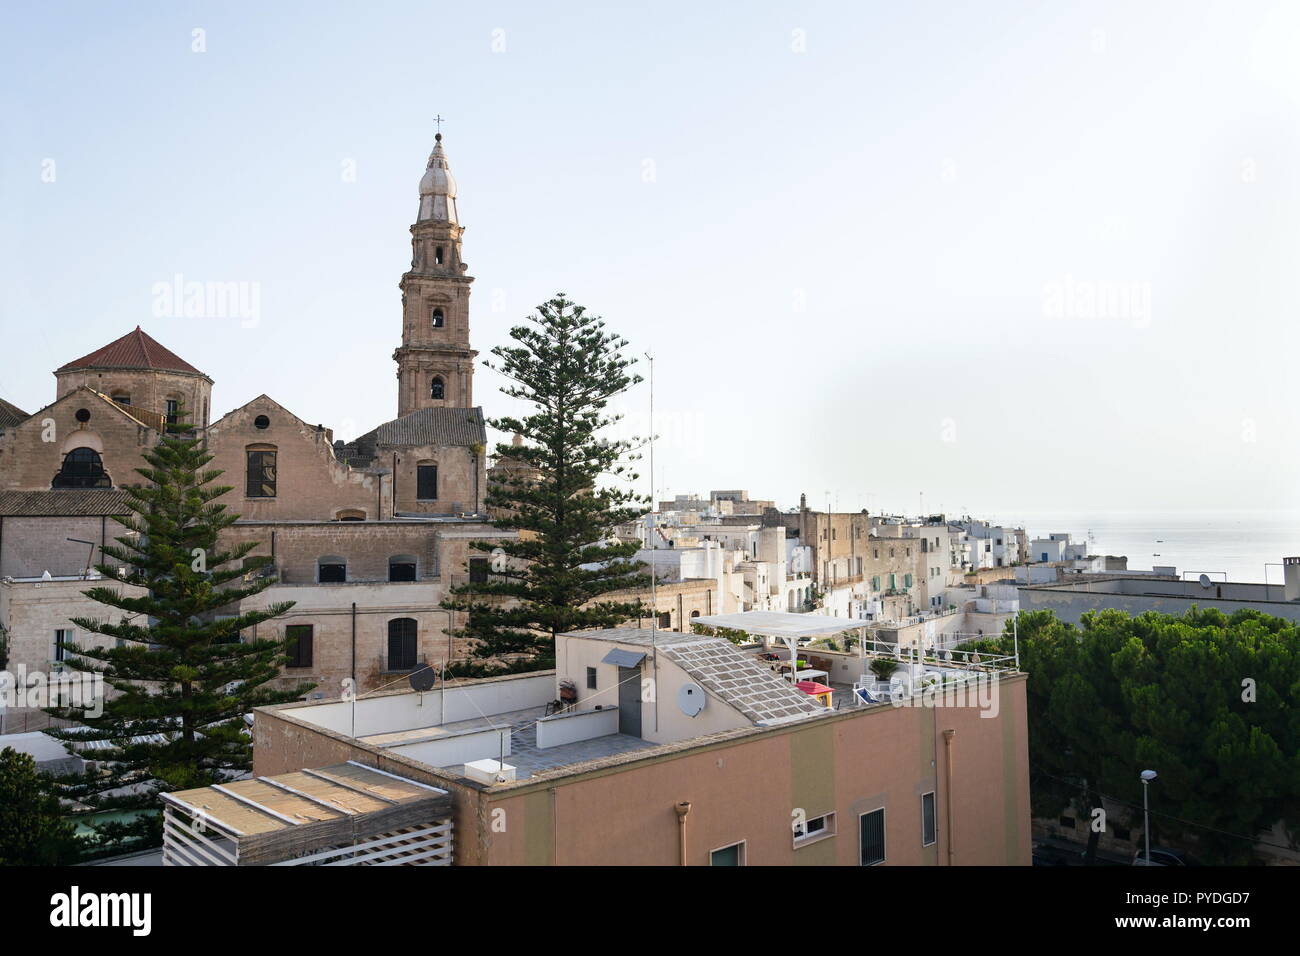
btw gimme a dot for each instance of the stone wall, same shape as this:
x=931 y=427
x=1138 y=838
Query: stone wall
x=31 y=452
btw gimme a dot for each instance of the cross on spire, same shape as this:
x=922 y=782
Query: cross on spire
x=438 y=119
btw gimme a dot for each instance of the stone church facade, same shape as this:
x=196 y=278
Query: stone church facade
x=366 y=536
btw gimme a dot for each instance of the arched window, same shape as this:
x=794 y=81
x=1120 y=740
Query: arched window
x=331 y=569
x=122 y=398
x=437 y=256
x=402 y=567
x=438 y=319
x=350 y=514
x=173 y=410
x=436 y=388
x=403 y=643
x=82 y=468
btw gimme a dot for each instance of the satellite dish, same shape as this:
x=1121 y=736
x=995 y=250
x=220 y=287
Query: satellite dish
x=691 y=698
x=423 y=679
x=1205 y=581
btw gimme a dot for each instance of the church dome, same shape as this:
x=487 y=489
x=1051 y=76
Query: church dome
x=438 y=188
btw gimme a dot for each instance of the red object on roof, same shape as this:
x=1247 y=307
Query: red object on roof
x=812 y=688
x=133 y=350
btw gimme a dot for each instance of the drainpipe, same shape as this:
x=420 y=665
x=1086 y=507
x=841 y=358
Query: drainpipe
x=948 y=735
x=682 y=809
x=354 y=647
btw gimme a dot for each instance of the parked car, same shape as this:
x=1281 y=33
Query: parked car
x=1163 y=856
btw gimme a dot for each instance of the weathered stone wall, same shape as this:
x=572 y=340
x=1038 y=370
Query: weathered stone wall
x=31 y=452
x=148 y=389
x=461 y=478
x=310 y=482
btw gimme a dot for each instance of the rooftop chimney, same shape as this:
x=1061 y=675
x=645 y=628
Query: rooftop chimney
x=1291 y=571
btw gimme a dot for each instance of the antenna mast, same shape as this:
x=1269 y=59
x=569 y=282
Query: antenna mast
x=651 y=529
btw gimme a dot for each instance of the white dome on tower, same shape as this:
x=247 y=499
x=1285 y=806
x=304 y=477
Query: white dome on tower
x=438 y=188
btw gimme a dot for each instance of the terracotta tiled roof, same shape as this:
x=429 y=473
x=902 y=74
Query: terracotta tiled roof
x=64 y=501
x=11 y=414
x=133 y=350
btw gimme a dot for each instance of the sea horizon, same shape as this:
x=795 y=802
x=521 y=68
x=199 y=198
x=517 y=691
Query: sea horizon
x=1243 y=544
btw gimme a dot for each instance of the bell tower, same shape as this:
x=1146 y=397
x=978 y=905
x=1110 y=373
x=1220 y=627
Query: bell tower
x=435 y=364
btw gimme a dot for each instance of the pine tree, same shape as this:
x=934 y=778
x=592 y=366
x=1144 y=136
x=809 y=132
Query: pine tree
x=184 y=679
x=559 y=489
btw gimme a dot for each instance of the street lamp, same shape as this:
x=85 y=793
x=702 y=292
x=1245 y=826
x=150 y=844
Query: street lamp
x=1147 y=777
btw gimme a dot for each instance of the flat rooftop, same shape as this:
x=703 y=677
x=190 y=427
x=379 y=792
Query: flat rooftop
x=1164 y=588
x=525 y=756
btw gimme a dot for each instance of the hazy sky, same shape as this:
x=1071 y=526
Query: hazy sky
x=1017 y=257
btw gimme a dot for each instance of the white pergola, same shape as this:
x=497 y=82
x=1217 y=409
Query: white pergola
x=786 y=626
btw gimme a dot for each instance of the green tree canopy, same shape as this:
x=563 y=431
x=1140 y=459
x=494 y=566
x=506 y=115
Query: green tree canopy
x=1205 y=699
x=564 y=489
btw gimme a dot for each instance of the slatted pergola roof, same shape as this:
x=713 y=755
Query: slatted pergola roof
x=346 y=813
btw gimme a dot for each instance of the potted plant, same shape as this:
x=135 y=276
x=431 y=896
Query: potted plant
x=883 y=668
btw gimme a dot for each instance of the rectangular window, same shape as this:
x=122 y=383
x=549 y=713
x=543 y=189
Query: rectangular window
x=261 y=474
x=173 y=411
x=591 y=678
x=928 y=827
x=733 y=855
x=402 y=644
x=872 y=837
x=401 y=570
x=814 y=828
x=478 y=570
x=299 y=639
x=62 y=635
x=333 y=573
x=426 y=482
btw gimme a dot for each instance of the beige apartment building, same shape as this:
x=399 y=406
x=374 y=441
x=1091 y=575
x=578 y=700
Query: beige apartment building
x=676 y=749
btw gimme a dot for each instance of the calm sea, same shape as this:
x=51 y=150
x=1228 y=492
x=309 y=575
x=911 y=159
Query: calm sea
x=1246 y=545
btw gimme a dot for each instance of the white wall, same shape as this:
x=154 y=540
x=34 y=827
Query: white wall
x=567 y=728
x=458 y=748
x=394 y=712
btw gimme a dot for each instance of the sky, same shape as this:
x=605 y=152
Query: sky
x=992 y=258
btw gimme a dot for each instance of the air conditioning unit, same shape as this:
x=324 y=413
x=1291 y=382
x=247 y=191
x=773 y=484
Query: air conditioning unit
x=490 y=772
